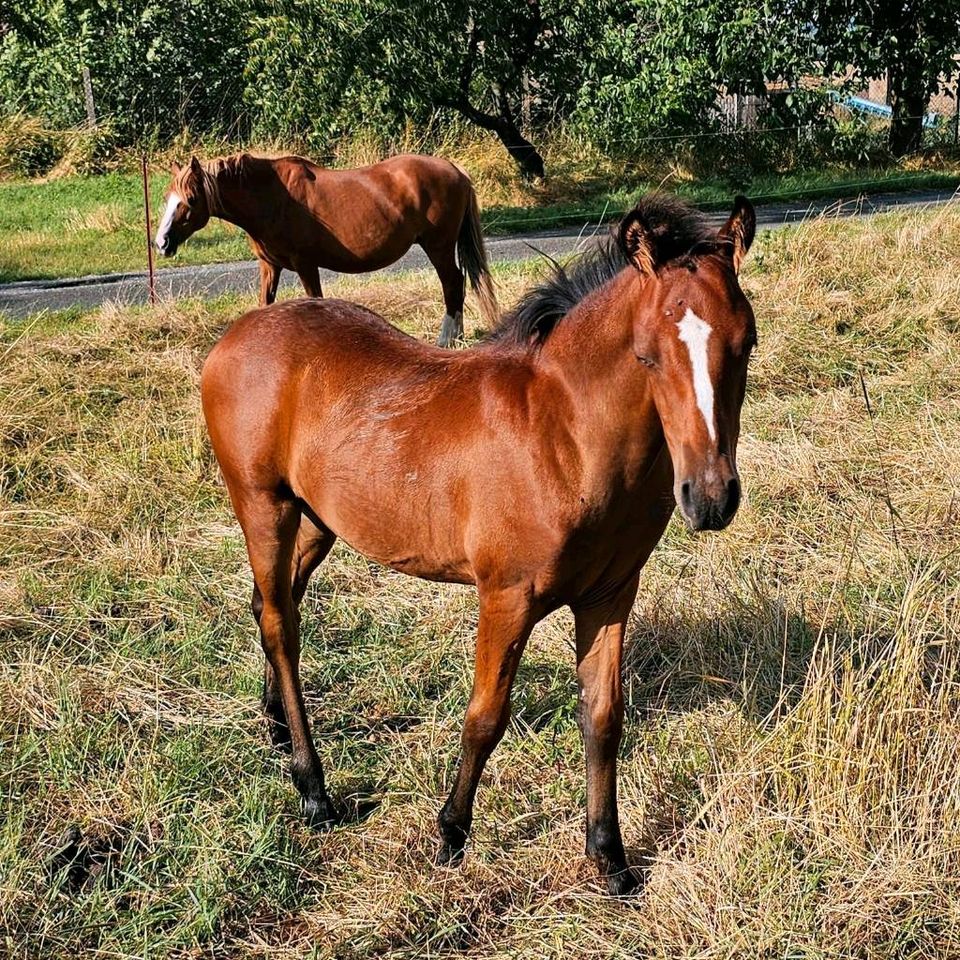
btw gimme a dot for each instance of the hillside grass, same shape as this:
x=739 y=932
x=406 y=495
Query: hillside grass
x=793 y=684
x=71 y=226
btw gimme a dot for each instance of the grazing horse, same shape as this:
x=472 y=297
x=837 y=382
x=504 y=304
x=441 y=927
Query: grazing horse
x=541 y=466
x=301 y=217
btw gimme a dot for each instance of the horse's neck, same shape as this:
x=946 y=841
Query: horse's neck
x=225 y=201
x=589 y=358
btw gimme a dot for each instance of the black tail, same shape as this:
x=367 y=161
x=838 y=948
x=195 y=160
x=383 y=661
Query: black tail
x=473 y=261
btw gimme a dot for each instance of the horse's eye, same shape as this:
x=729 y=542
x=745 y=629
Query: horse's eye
x=646 y=361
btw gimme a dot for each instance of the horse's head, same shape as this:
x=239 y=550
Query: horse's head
x=187 y=208
x=694 y=330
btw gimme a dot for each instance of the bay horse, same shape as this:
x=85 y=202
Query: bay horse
x=301 y=217
x=541 y=466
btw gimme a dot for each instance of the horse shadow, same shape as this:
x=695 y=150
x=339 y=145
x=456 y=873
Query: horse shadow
x=753 y=658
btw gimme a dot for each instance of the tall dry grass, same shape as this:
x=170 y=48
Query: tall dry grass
x=790 y=769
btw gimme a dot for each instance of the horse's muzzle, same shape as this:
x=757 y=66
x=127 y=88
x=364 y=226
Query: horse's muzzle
x=705 y=512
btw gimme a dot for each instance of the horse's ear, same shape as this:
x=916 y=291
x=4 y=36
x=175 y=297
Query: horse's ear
x=636 y=242
x=196 y=168
x=738 y=232
x=175 y=168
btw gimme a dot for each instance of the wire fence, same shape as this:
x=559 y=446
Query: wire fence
x=739 y=142
x=842 y=190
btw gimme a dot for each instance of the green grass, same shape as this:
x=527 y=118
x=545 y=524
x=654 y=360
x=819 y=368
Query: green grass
x=84 y=225
x=793 y=684
x=93 y=225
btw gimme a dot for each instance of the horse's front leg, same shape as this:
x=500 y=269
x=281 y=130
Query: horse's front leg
x=310 y=278
x=600 y=632
x=505 y=624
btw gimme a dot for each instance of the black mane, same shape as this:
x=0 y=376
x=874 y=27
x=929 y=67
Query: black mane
x=677 y=230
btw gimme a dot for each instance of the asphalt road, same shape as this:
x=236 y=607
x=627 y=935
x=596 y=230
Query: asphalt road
x=30 y=296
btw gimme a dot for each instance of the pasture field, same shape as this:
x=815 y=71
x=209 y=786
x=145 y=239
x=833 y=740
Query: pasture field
x=75 y=226
x=789 y=774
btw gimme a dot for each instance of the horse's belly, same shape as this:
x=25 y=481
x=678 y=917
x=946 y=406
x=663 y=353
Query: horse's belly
x=394 y=528
x=362 y=258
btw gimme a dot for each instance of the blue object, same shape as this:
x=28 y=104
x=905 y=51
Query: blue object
x=862 y=105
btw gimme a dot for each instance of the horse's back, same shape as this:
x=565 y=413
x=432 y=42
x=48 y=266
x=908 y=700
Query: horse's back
x=366 y=218
x=284 y=340
x=328 y=401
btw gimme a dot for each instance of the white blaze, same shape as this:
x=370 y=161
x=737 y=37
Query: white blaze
x=695 y=332
x=173 y=202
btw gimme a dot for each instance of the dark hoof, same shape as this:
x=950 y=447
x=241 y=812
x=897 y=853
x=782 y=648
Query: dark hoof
x=453 y=843
x=320 y=815
x=450 y=856
x=624 y=883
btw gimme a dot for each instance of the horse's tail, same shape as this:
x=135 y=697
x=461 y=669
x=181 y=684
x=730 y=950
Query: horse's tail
x=473 y=259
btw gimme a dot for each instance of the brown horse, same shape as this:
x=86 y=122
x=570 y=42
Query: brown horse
x=301 y=217
x=541 y=466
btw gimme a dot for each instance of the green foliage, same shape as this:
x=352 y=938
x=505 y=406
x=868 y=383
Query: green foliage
x=498 y=64
x=656 y=66
x=617 y=73
x=304 y=79
x=155 y=67
x=914 y=44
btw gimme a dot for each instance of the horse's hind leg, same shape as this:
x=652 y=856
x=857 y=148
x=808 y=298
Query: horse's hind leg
x=505 y=624
x=269 y=281
x=444 y=261
x=313 y=544
x=271 y=524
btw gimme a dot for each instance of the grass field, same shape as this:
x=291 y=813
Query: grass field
x=793 y=684
x=75 y=226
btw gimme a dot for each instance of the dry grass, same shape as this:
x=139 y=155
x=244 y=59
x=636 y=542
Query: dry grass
x=793 y=683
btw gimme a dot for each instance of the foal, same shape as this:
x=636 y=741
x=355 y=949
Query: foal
x=301 y=217
x=541 y=466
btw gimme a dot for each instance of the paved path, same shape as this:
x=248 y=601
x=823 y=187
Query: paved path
x=27 y=297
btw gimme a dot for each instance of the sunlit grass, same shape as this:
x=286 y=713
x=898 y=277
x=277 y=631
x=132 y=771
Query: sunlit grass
x=792 y=683
x=75 y=226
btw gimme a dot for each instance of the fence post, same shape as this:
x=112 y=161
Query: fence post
x=88 y=97
x=956 y=116
x=146 y=220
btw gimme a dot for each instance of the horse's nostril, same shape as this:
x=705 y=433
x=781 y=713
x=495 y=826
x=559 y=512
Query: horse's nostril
x=733 y=497
x=685 y=491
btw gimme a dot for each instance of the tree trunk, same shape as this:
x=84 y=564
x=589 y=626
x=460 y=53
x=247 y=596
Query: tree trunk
x=524 y=153
x=520 y=148
x=909 y=99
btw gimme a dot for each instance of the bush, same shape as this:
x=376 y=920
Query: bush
x=27 y=146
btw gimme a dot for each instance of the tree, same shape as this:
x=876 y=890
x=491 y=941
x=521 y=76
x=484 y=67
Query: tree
x=156 y=66
x=915 y=42
x=656 y=67
x=480 y=60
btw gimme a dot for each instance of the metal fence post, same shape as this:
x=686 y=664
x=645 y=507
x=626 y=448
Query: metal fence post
x=146 y=220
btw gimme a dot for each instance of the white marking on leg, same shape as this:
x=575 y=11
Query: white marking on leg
x=451 y=329
x=695 y=332
x=173 y=201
